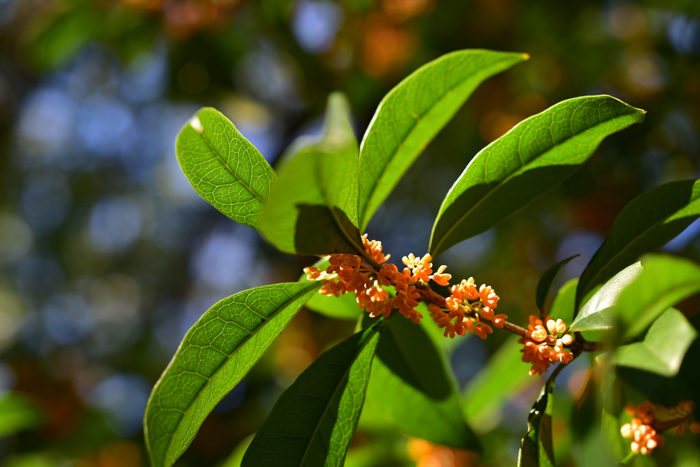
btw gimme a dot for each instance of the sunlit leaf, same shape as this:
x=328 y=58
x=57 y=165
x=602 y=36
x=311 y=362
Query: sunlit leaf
x=647 y=223
x=313 y=207
x=413 y=112
x=409 y=372
x=664 y=281
x=504 y=375
x=223 y=167
x=18 y=414
x=536 y=447
x=517 y=168
x=214 y=356
x=314 y=420
x=663 y=347
x=563 y=304
x=597 y=314
x=343 y=307
x=546 y=280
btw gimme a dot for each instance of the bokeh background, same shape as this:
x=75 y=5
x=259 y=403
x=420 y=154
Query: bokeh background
x=107 y=255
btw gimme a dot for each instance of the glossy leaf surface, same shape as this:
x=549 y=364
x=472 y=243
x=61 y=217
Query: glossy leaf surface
x=314 y=420
x=597 y=313
x=536 y=448
x=545 y=283
x=214 y=356
x=537 y=154
x=411 y=387
x=663 y=347
x=647 y=223
x=223 y=167
x=413 y=112
x=313 y=207
x=563 y=303
x=665 y=281
x=502 y=377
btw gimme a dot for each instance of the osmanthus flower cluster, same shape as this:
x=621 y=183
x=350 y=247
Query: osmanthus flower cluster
x=467 y=309
x=646 y=425
x=544 y=344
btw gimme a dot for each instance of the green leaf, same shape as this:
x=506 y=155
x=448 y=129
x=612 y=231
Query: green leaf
x=563 y=304
x=313 y=207
x=663 y=347
x=665 y=281
x=223 y=167
x=517 y=168
x=536 y=447
x=413 y=112
x=343 y=307
x=214 y=356
x=546 y=280
x=597 y=313
x=646 y=224
x=409 y=372
x=313 y=421
x=18 y=414
x=503 y=376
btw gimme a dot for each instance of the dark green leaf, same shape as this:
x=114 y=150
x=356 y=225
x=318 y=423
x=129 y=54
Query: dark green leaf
x=504 y=375
x=597 y=313
x=563 y=304
x=343 y=307
x=546 y=280
x=313 y=207
x=214 y=356
x=536 y=447
x=663 y=347
x=409 y=372
x=647 y=223
x=665 y=281
x=313 y=421
x=413 y=112
x=517 y=168
x=223 y=167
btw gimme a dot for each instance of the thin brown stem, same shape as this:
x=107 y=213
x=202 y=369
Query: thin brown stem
x=668 y=424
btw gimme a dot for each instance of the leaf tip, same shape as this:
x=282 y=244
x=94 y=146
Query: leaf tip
x=196 y=124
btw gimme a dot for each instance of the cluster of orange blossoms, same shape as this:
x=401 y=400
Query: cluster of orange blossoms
x=543 y=344
x=644 y=437
x=354 y=276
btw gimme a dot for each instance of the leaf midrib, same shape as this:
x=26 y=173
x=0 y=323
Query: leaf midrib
x=403 y=142
x=628 y=246
x=517 y=172
x=335 y=391
x=244 y=342
x=225 y=164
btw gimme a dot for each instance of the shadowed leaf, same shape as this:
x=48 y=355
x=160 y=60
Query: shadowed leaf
x=546 y=280
x=536 y=448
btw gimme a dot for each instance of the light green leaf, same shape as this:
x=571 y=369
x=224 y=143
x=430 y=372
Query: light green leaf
x=517 y=168
x=546 y=280
x=563 y=304
x=343 y=307
x=409 y=372
x=214 y=356
x=536 y=447
x=663 y=347
x=223 y=167
x=597 y=313
x=646 y=224
x=665 y=281
x=313 y=207
x=18 y=414
x=314 y=420
x=503 y=376
x=413 y=112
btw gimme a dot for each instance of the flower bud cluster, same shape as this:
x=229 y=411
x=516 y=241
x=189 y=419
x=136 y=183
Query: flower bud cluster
x=644 y=437
x=468 y=310
x=543 y=344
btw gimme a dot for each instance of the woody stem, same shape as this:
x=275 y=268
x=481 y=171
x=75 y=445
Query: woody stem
x=668 y=424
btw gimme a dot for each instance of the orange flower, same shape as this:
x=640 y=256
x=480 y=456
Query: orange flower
x=440 y=278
